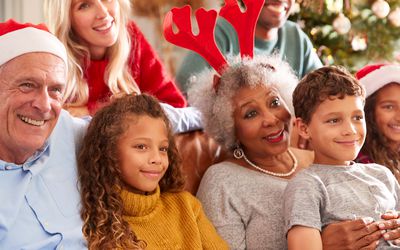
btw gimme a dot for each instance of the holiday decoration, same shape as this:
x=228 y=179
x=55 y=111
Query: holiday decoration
x=372 y=33
x=341 y=24
x=157 y=7
x=394 y=17
x=381 y=8
x=358 y=43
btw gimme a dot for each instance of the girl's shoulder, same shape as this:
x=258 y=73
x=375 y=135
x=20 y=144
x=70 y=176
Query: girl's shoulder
x=181 y=200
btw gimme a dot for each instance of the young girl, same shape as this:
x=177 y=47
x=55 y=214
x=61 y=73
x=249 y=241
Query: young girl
x=382 y=113
x=131 y=182
x=107 y=54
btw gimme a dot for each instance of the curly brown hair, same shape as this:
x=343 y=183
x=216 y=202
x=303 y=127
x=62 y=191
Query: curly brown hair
x=100 y=176
x=376 y=144
x=320 y=84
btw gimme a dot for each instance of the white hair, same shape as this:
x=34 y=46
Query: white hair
x=217 y=107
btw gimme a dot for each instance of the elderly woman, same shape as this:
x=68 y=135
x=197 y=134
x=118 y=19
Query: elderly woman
x=248 y=114
x=247 y=111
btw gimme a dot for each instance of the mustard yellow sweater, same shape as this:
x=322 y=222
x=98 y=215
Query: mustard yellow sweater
x=170 y=221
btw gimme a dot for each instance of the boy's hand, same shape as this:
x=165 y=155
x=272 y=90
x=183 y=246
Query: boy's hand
x=352 y=234
x=391 y=226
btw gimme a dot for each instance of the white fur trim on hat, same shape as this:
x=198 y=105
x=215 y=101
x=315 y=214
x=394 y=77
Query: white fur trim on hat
x=27 y=40
x=380 y=77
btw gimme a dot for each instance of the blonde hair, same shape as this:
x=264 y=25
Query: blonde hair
x=117 y=76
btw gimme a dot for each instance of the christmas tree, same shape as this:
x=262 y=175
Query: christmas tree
x=352 y=33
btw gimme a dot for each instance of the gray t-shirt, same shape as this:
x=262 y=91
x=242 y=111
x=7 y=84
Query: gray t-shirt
x=323 y=194
x=244 y=205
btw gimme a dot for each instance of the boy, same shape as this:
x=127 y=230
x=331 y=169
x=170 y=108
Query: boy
x=328 y=105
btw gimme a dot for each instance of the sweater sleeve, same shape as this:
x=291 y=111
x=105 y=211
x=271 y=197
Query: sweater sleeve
x=219 y=202
x=149 y=73
x=311 y=59
x=302 y=201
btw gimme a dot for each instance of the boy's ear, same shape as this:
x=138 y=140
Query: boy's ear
x=302 y=128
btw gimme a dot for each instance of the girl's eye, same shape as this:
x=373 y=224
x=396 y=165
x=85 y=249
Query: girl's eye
x=359 y=117
x=389 y=107
x=164 y=149
x=250 y=114
x=276 y=102
x=140 y=146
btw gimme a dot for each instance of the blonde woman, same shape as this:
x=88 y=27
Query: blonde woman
x=107 y=53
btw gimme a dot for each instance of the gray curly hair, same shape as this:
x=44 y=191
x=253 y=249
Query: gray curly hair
x=217 y=108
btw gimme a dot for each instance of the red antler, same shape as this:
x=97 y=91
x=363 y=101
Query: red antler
x=204 y=43
x=243 y=22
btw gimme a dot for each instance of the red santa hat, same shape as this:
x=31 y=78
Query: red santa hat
x=375 y=76
x=17 y=39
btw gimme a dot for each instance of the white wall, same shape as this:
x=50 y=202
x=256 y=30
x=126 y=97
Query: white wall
x=22 y=10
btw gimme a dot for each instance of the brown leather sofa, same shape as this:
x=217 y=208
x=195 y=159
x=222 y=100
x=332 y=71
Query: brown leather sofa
x=198 y=152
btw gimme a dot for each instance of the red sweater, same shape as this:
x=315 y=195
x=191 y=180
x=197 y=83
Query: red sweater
x=146 y=69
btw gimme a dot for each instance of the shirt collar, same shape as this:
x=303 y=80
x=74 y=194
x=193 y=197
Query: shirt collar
x=30 y=164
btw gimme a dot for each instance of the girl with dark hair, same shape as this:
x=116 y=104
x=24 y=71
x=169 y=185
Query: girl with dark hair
x=131 y=183
x=382 y=114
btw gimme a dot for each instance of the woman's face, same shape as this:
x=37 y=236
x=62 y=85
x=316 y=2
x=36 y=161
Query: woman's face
x=95 y=22
x=261 y=121
x=387 y=113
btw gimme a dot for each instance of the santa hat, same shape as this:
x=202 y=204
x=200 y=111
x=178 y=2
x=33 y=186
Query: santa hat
x=17 y=39
x=375 y=76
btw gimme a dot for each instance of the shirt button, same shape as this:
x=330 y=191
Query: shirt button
x=46 y=223
x=8 y=167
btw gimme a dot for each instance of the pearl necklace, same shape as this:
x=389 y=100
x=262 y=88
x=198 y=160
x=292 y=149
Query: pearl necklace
x=273 y=173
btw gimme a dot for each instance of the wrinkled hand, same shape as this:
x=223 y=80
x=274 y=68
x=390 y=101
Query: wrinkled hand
x=391 y=225
x=352 y=234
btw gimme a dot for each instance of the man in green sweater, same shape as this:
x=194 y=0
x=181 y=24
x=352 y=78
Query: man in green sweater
x=273 y=34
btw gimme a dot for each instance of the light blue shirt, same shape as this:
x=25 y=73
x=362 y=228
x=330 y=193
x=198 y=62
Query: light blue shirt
x=40 y=201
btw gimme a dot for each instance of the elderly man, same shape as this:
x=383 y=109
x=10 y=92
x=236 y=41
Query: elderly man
x=273 y=34
x=40 y=201
x=38 y=143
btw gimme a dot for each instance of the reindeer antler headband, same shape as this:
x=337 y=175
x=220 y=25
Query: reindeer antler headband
x=204 y=43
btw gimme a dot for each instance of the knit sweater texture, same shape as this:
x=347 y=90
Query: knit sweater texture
x=170 y=221
x=146 y=69
x=244 y=205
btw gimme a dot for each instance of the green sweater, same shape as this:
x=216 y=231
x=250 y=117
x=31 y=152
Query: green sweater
x=292 y=44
